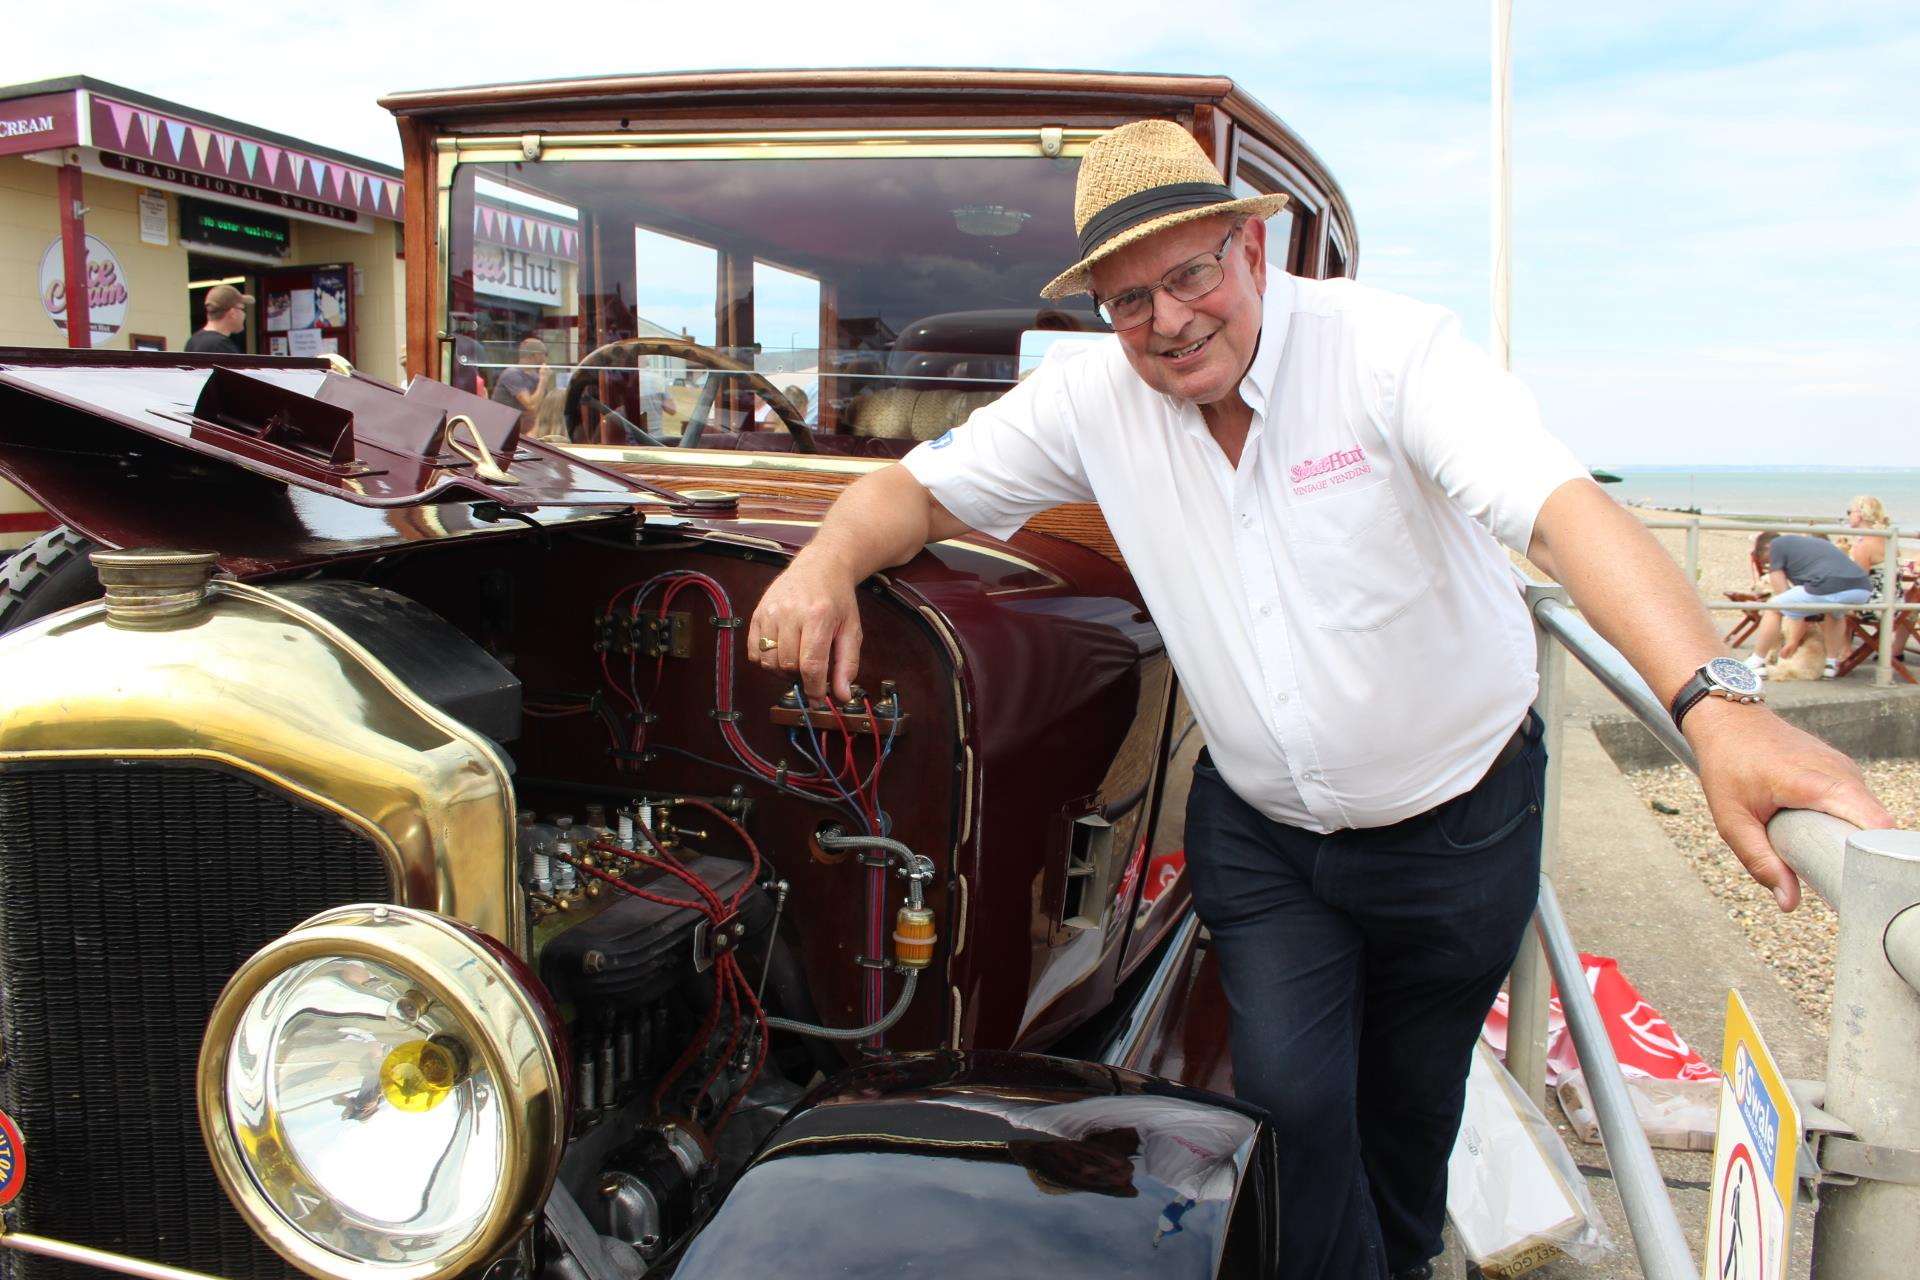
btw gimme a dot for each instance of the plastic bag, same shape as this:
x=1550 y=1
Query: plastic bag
x=1679 y=1115
x=1516 y=1199
x=1643 y=1040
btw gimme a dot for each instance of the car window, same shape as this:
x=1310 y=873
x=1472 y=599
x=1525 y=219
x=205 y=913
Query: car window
x=884 y=296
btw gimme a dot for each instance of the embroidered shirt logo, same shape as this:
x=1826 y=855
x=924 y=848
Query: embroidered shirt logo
x=1336 y=468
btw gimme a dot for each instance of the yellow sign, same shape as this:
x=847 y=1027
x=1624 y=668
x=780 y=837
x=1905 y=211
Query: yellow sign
x=1750 y=1211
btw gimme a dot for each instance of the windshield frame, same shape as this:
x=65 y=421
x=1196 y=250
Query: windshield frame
x=452 y=152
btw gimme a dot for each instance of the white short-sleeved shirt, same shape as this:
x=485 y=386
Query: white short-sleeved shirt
x=1345 y=625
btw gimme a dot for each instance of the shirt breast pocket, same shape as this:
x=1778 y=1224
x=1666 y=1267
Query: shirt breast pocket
x=1356 y=558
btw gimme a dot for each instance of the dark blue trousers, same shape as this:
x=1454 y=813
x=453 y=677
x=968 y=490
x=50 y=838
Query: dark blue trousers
x=1358 y=967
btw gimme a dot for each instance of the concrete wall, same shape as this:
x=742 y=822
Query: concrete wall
x=156 y=277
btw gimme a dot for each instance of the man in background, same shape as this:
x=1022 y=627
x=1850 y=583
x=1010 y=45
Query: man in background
x=1804 y=573
x=226 y=309
x=525 y=384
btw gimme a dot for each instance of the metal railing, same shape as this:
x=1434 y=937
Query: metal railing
x=1889 y=606
x=1863 y=1150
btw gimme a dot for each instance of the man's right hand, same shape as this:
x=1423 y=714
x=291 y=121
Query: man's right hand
x=812 y=616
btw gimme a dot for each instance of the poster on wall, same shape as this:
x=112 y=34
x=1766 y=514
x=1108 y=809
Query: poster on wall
x=153 y=219
x=316 y=316
x=330 y=298
x=277 y=345
x=107 y=293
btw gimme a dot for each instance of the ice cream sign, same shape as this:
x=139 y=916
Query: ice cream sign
x=106 y=288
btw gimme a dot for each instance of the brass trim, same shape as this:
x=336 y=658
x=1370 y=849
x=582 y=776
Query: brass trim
x=609 y=454
x=255 y=682
x=86 y=1256
x=790 y=144
x=459 y=971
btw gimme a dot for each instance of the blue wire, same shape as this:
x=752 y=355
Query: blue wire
x=820 y=758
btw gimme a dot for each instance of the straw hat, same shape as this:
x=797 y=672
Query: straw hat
x=1142 y=178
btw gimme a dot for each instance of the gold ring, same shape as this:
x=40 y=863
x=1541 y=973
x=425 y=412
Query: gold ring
x=767 y=643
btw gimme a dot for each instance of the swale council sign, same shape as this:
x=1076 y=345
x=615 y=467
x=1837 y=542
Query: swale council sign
x=1750 y=1210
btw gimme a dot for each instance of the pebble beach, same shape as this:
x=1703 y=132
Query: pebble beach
x=1797 y=946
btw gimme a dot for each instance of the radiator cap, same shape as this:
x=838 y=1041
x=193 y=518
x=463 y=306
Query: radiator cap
x=150 y=587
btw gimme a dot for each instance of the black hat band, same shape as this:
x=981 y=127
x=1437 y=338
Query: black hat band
x=1143 y=206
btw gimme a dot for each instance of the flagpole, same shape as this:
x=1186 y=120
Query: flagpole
x=1502 y=336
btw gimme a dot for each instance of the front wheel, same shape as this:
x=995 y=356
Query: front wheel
x=47 y=575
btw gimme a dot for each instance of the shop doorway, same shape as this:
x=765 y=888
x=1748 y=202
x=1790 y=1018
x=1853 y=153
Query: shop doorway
x=204 y=271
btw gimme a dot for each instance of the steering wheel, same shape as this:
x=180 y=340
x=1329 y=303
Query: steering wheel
x=625 y=355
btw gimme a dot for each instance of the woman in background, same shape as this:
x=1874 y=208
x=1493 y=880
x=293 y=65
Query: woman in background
x=1869 y=549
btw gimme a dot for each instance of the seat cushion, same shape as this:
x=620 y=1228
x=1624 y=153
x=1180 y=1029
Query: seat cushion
x=904 y=413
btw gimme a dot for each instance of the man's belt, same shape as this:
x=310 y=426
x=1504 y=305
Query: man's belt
x=1512 y=749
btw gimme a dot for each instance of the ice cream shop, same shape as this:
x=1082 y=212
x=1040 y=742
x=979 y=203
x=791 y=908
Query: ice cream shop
x=120 y=212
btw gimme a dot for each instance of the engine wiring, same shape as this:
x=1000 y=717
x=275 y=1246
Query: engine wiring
x=817 y=780
x=821 y=771
x=731 y=986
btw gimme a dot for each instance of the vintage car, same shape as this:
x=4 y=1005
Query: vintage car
x=406 y=875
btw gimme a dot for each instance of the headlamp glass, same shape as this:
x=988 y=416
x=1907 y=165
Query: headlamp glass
x=365 y=1112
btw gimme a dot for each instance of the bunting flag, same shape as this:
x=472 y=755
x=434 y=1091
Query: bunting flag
x=158 y=136
x=122 y=116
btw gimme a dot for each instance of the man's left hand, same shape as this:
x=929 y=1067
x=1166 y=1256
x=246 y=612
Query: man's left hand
x=1754 y=764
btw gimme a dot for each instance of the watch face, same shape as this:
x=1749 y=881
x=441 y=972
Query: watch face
x=1730 y=673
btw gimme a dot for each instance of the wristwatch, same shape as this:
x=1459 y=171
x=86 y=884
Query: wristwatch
x=1727 y=678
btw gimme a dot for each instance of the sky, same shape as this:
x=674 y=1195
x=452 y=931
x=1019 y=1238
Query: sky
x=1716 y=204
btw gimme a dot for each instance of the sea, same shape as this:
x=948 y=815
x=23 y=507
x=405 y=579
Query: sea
x=1806 y=493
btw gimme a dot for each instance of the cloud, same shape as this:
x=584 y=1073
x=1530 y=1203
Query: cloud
x=1689 y=180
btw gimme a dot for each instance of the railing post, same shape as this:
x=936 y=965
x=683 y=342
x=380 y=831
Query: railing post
x=1889 y=614
x=1530 y=986
x=1870 y=1229
x=1693 y=552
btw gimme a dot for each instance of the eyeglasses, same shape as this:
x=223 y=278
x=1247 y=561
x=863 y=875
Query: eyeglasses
x=1188 y=282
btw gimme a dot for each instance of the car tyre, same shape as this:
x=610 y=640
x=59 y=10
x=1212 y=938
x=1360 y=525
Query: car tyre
x=48 y=574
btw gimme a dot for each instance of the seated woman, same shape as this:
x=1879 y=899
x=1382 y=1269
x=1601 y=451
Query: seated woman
x=1869 y=549
x=1805 y=572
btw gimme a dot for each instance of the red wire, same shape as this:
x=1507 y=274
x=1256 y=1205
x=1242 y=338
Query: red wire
x=745 y=839
x=760 y=1045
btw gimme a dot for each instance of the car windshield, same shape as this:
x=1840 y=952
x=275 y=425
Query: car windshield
x=883 y=296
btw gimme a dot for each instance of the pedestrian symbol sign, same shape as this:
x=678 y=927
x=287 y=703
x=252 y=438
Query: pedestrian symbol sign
x=1750 y=1211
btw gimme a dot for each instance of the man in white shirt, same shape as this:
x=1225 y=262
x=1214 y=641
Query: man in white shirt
x=1307 y=479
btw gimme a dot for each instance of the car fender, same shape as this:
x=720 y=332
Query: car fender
x=981 y=1163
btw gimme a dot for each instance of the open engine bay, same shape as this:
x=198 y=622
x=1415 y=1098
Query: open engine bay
x=724 y=882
